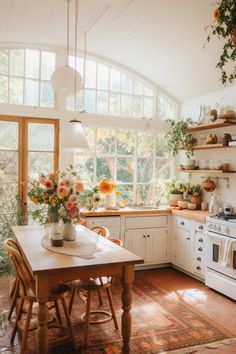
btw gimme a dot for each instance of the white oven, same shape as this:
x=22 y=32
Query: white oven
x=220 y=255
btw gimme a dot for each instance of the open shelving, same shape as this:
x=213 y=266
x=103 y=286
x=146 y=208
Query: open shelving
x=211 y=126
x=206 y=171
x=211 y=146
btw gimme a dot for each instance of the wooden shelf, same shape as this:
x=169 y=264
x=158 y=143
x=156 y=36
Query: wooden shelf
x=206 y=171
x=212 y=146
x=211 y=126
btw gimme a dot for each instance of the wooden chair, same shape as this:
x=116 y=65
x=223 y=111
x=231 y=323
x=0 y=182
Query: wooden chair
x=27 y=295
x=98 y=284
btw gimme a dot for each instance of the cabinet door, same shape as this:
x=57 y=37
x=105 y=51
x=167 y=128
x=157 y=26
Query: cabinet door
x=182 y=248
x=135 y=241
x=156 y=245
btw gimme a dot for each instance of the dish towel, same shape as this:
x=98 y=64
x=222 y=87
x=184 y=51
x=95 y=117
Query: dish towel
x=227 y=253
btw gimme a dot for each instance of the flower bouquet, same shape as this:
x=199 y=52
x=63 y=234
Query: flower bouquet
x=110 y=191
x=90 y=199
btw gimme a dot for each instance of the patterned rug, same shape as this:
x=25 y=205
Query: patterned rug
x=161 y=322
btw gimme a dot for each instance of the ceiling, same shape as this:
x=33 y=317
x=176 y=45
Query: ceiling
x=160 y=39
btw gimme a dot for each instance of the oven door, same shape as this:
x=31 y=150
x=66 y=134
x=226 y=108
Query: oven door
x=215 y=254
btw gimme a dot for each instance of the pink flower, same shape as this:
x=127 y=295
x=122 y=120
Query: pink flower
x=62 y=192
x=73 y=198
x=65 y=182
x=49 y=184
x=78 y=187
x=69 y=205
x=42 y=181
x=73 y=212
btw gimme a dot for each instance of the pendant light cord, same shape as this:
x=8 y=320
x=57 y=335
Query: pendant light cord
x=68 y=33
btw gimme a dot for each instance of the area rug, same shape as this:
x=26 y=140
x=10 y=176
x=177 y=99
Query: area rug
x=161 y=323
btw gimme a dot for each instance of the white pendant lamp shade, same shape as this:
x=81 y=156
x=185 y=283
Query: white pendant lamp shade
x=63 y=81
x=75 y=139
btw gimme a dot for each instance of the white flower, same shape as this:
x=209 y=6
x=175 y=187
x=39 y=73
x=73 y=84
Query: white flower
x=62 y=212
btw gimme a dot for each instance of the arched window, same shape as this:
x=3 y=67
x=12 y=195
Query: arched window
x=110 y=90
x=25 y=77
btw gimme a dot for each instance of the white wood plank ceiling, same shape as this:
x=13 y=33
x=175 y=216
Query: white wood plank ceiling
x=161 y=39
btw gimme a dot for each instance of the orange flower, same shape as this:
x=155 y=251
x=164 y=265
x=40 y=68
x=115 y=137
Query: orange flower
x=117 y=193
x=105 y=186
x=217 y=14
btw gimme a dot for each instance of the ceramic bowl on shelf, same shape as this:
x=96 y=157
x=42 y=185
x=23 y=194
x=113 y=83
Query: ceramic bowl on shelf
x=189 y=167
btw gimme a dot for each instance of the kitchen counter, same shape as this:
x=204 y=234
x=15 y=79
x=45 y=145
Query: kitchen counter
x=196 y=215
x=129 y=210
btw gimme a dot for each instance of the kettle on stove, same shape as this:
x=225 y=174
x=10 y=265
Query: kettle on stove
x=214 y=203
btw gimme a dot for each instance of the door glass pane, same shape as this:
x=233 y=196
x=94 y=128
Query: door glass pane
x=115 y=78
x=90 y=78
x=8 y=166
x=3 y=89
x=8 y=135
x=41 y=137
x=32 y=63
x=106 y=141
x=31 y=92
x=16 y=91
x=4 y=62
x=125 y=142
x=17 y=62
x=47 y=65
x=105 y=168
x=40 y=163
x=125 y=169
x=103 y=76
x=114 y=104
x=102 y=102
x=46 y=95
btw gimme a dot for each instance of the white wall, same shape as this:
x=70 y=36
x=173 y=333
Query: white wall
x=224 y=97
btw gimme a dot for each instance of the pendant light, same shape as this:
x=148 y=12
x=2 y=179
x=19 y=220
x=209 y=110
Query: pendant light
x=62 y=78
x=76 y=139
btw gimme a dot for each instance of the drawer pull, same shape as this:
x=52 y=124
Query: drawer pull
x=200 y=249
x=148 y=235
x=200 y=239
x=144 y=236
x=188 y=238
x=198 y=268
x=200 y=227
x=199 y=259
x=182 y=223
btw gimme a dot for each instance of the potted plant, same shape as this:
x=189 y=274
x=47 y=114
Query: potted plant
x=224 y=27
x=178 y=137
x=173 y=190
x=194 y=194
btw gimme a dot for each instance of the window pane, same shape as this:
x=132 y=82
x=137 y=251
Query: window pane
x=126 y=105
x=102 y=102
x=47 y=65
x=148 y=91
x=46 y=95
x=8 y=135
x=144 y=170
x=70 y=101
x=91 y=138
x=114 y=104
x=138 y=87
x=4 y=62
x=84 y=165
x=3 y=89
x=90 y=79
x=161 y=148
x=16 y=91
x=105 y=168
x=103 y=76
x=106 y=141
x=8 y=201
x=127 y=192
x=146 y=193
x=145 y=145
x=163 y=169
x=126 y=83
x=138 y=106
x=148 y=107
x=114 y=80
x=17 y=62
x=8 y=166
x=125 y=169
x=89 y=100
x=32 y=63
x=79 y=64
x=166 y=108
x=41 y=137
x=31 y=92
x=40 y=163
x=125 y=142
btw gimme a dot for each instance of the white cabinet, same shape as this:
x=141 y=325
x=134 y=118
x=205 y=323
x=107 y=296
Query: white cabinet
x=198 y=254
x=150 y=243
x=183 y=248
x=112 y=223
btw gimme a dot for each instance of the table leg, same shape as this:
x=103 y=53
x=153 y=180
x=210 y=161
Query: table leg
x=42 y=331
x=128 y=278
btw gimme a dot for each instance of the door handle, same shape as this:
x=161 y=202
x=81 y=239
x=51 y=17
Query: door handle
x=199 y=259
x=200 y=239
x=148 y=235
x=200 y=249
x=144 y=236
x=188 y=238
x=198 y=268
x=200 y=227
x=182 y=223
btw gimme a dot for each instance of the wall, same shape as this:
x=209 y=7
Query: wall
x=224 y=97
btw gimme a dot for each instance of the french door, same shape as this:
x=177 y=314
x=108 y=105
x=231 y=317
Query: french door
x=28 y=147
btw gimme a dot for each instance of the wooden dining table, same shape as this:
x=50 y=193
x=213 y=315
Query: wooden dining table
x=49 y=268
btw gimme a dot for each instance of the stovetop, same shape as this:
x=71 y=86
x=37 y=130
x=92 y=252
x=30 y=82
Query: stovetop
x=225 y=217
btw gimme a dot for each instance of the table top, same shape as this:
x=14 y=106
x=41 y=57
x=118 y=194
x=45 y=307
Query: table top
x=41 y=260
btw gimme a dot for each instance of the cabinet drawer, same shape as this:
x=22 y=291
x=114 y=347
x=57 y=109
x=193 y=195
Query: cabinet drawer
x=145 y=222
x=183 y=222
x=112 y=223
x=198 y=241
x=201 y=227
x=198 y=267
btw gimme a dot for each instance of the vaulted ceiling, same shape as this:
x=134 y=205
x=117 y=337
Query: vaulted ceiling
x=160 y=39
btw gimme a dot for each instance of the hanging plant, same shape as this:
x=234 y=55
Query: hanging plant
x=178 y=137
x=224 y=27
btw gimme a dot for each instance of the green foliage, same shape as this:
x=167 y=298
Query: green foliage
x=171 y=186
x=179 y=137
x=225 y=21
x=194 y=190
x=90 y=198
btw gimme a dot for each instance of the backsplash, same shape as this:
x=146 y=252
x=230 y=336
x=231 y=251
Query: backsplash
x=225 y=98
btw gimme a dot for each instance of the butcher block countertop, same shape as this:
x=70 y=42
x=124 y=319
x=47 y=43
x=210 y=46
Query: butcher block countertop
x=196 y=215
